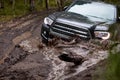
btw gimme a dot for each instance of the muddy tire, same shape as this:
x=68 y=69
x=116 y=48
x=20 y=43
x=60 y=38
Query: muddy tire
x=45 y=41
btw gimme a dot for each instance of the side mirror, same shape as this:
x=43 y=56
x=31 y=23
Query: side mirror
x=65 y=8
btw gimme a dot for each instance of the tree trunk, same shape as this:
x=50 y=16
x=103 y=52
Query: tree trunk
x=1 y=4
x=60 y=4
x=46 y=4
x=25 y=2
x=32 y=5
x=12 y=2
x=13 y=5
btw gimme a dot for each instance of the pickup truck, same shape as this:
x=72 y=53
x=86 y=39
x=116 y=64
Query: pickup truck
x=86 y=19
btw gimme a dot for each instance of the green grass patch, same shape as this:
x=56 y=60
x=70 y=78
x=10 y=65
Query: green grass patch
x=113 y=67
x=21 y=8
x=8 y=12
x=111 y=70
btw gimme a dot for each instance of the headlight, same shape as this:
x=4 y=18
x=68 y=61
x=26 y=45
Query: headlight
x=102 y=35
x=48 y=21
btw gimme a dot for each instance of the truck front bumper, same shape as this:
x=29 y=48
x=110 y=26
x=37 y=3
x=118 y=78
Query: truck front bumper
x=45 y=31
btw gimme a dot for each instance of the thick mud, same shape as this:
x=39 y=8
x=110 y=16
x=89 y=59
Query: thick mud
x=21 y=65
x=24 y=57
x=61 y=70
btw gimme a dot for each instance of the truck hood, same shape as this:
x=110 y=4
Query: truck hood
x=80 y=20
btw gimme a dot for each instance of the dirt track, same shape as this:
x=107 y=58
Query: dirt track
x=24 y=57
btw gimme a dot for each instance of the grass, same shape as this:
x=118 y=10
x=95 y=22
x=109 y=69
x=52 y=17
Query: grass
x=8 y=13
x=115 y=31
x=111 y=69
x=20 y=8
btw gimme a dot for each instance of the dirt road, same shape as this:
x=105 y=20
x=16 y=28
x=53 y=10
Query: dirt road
x=24 y=57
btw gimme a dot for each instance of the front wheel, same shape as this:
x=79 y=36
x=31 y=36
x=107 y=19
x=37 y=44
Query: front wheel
x=45 y=41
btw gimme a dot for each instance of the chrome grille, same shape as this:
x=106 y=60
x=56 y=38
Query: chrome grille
x=70 y=31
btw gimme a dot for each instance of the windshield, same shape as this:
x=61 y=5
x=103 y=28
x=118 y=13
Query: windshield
x=94 y=10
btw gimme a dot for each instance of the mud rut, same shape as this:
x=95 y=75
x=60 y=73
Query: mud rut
x=61 y=70
x=24 y=57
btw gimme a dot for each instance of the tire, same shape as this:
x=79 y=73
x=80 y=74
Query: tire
x=45 y=41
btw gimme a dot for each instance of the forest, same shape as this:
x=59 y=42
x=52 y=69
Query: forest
x=14 y=8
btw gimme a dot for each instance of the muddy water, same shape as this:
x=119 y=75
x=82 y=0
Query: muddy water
x=92 y=60
x=63 y=70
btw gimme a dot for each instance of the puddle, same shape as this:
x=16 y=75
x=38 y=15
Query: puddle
x=93 y=60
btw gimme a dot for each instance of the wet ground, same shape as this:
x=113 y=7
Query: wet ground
x=24 y=57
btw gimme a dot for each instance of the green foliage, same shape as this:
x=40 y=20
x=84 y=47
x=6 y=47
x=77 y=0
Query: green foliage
x=21 y=8
x=115 y=31
x=99 y=73
x=116 y=2
x=110 y=70
x=113 y=67
x=8 y=12
x=52 y=3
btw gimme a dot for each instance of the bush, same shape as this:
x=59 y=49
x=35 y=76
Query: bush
x=115 y=32
x=113 y=67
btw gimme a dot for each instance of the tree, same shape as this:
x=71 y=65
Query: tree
x=46 y=4
x=32 y=4
x=12 y=2
x=25 y=1
x=1 y=4
x=60 y=4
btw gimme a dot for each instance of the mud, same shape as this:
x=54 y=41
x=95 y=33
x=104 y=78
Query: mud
x=61 y=70
x=24 y=57
x=23 y=66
